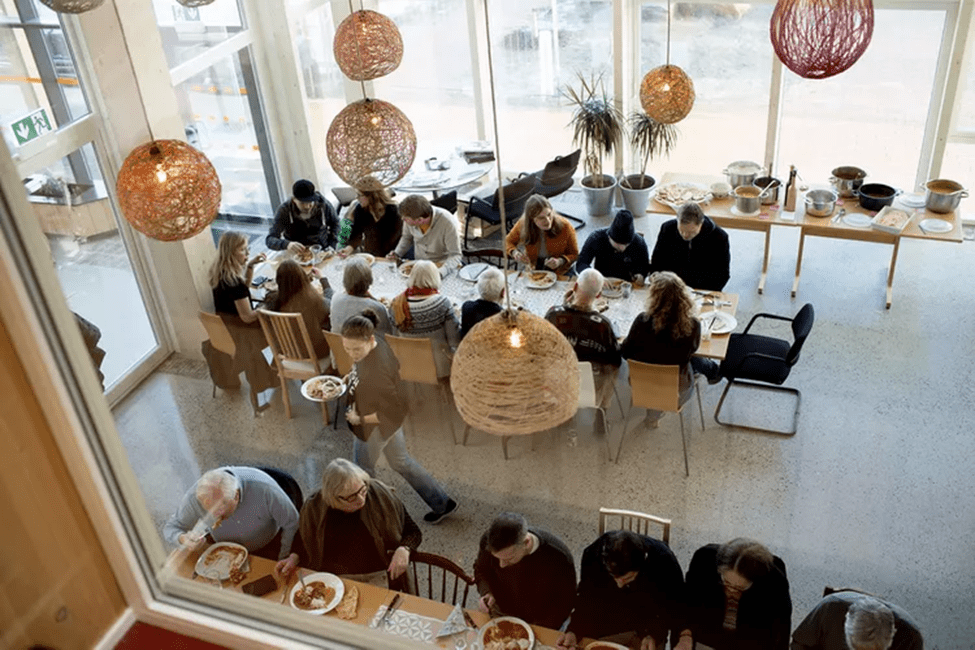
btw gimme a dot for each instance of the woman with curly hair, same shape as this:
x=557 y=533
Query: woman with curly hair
x=376 y=224
x=548 y=238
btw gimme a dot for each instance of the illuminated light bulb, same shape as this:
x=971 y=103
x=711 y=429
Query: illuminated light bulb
x=515 y=338
x=666 y=88
x=161 y=174
x=374 y=120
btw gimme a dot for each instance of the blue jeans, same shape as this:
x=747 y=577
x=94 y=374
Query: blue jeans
x=365 y=455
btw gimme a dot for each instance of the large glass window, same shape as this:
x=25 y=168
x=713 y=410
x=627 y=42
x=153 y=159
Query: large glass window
x=190 y=31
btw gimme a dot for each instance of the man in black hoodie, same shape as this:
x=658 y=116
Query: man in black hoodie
x=694 y=248
x=304 y=220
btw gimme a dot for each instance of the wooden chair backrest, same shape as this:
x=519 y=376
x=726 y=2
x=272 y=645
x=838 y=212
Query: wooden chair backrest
x=288 y=337
x=220 y=337
x=415 y=357
x=440 y=579
x=343 y=362
x=638 y=522
x=655 y=386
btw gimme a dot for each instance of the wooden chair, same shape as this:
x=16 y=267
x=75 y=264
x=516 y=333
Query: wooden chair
x=343 y=364
x=222 y=341
x=293 y=352
x=657 y=387
x=417 y=365
x=588 y=399
x=438 y=578
x=638 y=522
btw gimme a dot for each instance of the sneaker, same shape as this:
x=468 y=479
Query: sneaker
x=436 y=517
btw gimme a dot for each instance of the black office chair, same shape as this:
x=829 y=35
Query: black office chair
x=446 y=201
x=753 y=358
x=516 y=196
x=556 y=178
x=492 y=256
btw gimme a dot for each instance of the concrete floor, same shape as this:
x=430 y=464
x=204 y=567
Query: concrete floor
x=875 y=491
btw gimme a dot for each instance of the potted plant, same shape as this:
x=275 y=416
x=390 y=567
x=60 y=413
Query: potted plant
x=648 y=138
x=598 y=128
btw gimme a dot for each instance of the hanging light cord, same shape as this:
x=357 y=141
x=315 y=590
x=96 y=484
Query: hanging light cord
x=358 y=52
x=142 y=101
x=668 y=32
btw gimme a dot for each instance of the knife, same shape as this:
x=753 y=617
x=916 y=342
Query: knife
x=389 y=610
x=470 y=621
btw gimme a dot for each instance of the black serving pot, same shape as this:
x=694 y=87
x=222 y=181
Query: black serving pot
x=874 y=196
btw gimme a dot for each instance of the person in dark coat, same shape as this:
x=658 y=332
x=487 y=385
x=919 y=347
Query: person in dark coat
x=490 y=286
x=304 y=220
x=617 y=252
x=738 y=597
x=631 y=588
x=850 y=620
x=694 y=248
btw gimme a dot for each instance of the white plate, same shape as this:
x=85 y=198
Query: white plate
x=367 y=257
x=330 y=580
x=738 y=213
x=913 y=200
x=472 y=272
x=605 y=645
x=549 y=280
x=493 y=623
x=616 y=288
x=307 y=384
x=220 y=566
x=856 y=219
x=937 y=225
x=406 y=268
x=723 y=321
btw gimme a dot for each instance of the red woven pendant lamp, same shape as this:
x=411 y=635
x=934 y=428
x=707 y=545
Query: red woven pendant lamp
x=817 y=39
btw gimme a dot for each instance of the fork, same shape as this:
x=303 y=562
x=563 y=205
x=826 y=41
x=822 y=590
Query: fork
x=839 y=215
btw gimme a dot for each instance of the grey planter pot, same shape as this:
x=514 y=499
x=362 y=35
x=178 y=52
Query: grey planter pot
x=636 y=200
x=599 y=200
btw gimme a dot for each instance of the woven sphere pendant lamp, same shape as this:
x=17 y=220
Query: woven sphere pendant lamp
x=515 y=374
x=367 y=45
x=371 y=138
x=667 y=94
x=168 y=190
x=817 y=39
x=72 y=6
x=194 y=3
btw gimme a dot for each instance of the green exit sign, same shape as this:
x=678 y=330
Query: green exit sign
x=32 y=127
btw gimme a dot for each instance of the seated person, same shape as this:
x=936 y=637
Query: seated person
x=376 y=226
x=525 y=572
x=230 y=279
x=616 y=252
x=303 y=220
x=738 y=598
x=430 y=232
x=668 y=332
x=694 y=248
x=423 y=312
x=351 y=525
x=848 y=620
x=490 y=286
x=295 y=295
x=590 y=333
x=548 y=239
x=249 y=507
x=631 y=589
x=356 y=279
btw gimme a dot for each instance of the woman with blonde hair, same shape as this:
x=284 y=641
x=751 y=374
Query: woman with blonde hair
x=549 y=240
x=376 y=225
x=423 y=312
x=296 y=295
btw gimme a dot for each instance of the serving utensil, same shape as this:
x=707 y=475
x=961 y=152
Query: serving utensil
x=839 y=215
x=393 y=604
x=470 y=621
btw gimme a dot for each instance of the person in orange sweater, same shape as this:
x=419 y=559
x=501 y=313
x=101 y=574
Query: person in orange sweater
x=548 y=239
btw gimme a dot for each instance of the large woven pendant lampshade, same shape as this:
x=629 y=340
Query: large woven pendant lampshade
x=817 y=39
x=371 y=138
x=194 y=3
x=667 y=94
x=367 y=45
x=168 y=190
x=515 y=374
x=72 y=6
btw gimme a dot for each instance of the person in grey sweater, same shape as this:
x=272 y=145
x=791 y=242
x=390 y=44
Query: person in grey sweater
x=356 y=279
x=246 y=505
x=431 y=232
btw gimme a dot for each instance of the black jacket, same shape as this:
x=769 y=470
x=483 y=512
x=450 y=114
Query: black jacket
x=379 y=390
x=764 y=611
x=702 y=263
x=474 y=311
x=609 y=261
x=322 y=227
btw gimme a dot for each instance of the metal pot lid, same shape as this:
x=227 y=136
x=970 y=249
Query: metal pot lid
x=742 y=167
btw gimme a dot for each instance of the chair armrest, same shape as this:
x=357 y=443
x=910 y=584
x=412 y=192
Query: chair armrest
x=733 y=372
x=764 y=315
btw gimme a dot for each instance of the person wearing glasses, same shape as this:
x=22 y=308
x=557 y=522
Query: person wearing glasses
x=304 y=220
x=355 y=527
x=542 y=239
x=737 y=598
x=430 y=232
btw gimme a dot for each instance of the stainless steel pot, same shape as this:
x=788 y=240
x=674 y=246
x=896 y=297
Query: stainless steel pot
x=771 y=187
x=748 y=199
x=847 y=180
x=820 y=203
x=742 y=172
x=943 y=196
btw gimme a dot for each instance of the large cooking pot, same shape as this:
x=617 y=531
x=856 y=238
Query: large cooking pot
x=847 y=180
x=742 y=172
x=820 y=203
x=874 y=196
x=748 y=199
x=943 y=195
x=771 y=187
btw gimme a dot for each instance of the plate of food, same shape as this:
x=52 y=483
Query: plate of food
x=540 y=279
x=222 y=560
x=323 y=388
x=675 y=195
x=305 y=257
x=472 y=272
x=319 y=595
x=605 y=645
x=367 y=257
x=892 y=220
x=406 y=268
x=507 y=633
x=616 y=288
x=719 y=322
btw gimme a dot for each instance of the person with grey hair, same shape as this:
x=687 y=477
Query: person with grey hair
x=247 y=506
x=356 y=280
x=423 y=312
x=353 y=525
x=525 y=571
x=430 y=232
x=590 y=333
x=695 y=248
x=490 y=286
x=850 y=620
